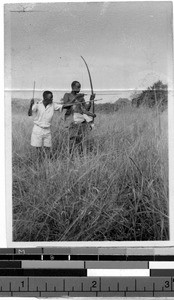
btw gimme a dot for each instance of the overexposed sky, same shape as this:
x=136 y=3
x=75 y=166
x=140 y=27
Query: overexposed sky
x=127 y=45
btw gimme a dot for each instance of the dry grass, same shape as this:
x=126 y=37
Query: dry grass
x=117 y=192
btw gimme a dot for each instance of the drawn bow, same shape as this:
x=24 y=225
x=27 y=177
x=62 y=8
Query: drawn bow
x=90 y=79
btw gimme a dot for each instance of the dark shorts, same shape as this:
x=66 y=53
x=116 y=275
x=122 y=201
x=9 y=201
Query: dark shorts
x=79 y=131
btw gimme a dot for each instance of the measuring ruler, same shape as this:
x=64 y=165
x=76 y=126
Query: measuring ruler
x=86 y=272
x=84 y=286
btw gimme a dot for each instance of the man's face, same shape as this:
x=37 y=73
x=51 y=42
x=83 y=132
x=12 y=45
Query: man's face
x=76 y=87
x=49 y=98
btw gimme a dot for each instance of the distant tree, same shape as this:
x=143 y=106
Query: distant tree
x=121 y=103
x=154 y=96
x=105 y=107
x=111 y=107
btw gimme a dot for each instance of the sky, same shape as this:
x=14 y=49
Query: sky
x=127 y=45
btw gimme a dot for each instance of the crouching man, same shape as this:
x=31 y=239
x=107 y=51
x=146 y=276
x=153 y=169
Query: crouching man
x=43 y=113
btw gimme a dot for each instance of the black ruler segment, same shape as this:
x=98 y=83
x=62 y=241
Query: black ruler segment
x=112 y=257
x=43 y=272
x=26 y=257
x=6 y=257
x=84 y=257
x=20 y=257
x=140 y=258
x=55 y=257
x=162 y=272
x=164 y=257
x=10 y=264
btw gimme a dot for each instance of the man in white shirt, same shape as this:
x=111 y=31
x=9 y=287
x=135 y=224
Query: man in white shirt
x=43 y=113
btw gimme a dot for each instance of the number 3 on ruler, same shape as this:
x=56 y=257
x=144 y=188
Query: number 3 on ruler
x=167 y=284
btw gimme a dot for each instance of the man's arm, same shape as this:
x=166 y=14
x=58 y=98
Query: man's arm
x=88 y=106
x=65 y=101
x=58 y=106
x=65 y=98
x=30 y=108
x=88 y=113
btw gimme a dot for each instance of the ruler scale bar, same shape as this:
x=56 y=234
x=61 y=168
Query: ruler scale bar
x=26 y=264
x=97 y=253
x=86 y=272
x=86 y=257
x=158 y=251
x=104 y=284
x=87 y=294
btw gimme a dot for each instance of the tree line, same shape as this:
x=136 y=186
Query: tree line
x=154 y=96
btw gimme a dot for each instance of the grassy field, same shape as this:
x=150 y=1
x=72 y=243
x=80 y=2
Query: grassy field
x=117 y=192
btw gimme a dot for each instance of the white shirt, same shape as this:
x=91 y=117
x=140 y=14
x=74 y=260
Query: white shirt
x=43 y=115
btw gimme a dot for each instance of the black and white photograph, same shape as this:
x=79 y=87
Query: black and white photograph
x=89 y=88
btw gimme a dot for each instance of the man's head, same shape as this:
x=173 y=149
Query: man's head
x=48 y=97
x=76 y=86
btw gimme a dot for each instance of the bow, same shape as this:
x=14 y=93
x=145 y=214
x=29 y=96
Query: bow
x=90 y=79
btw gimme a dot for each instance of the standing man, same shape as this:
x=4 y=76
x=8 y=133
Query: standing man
x=43 y=113
x=75 y=117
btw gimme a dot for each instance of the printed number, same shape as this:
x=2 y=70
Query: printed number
x=22 y=282
x=167 y=284
x=94 y=284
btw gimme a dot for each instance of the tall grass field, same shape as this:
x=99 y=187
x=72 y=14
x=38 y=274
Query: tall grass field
x=117 y=191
